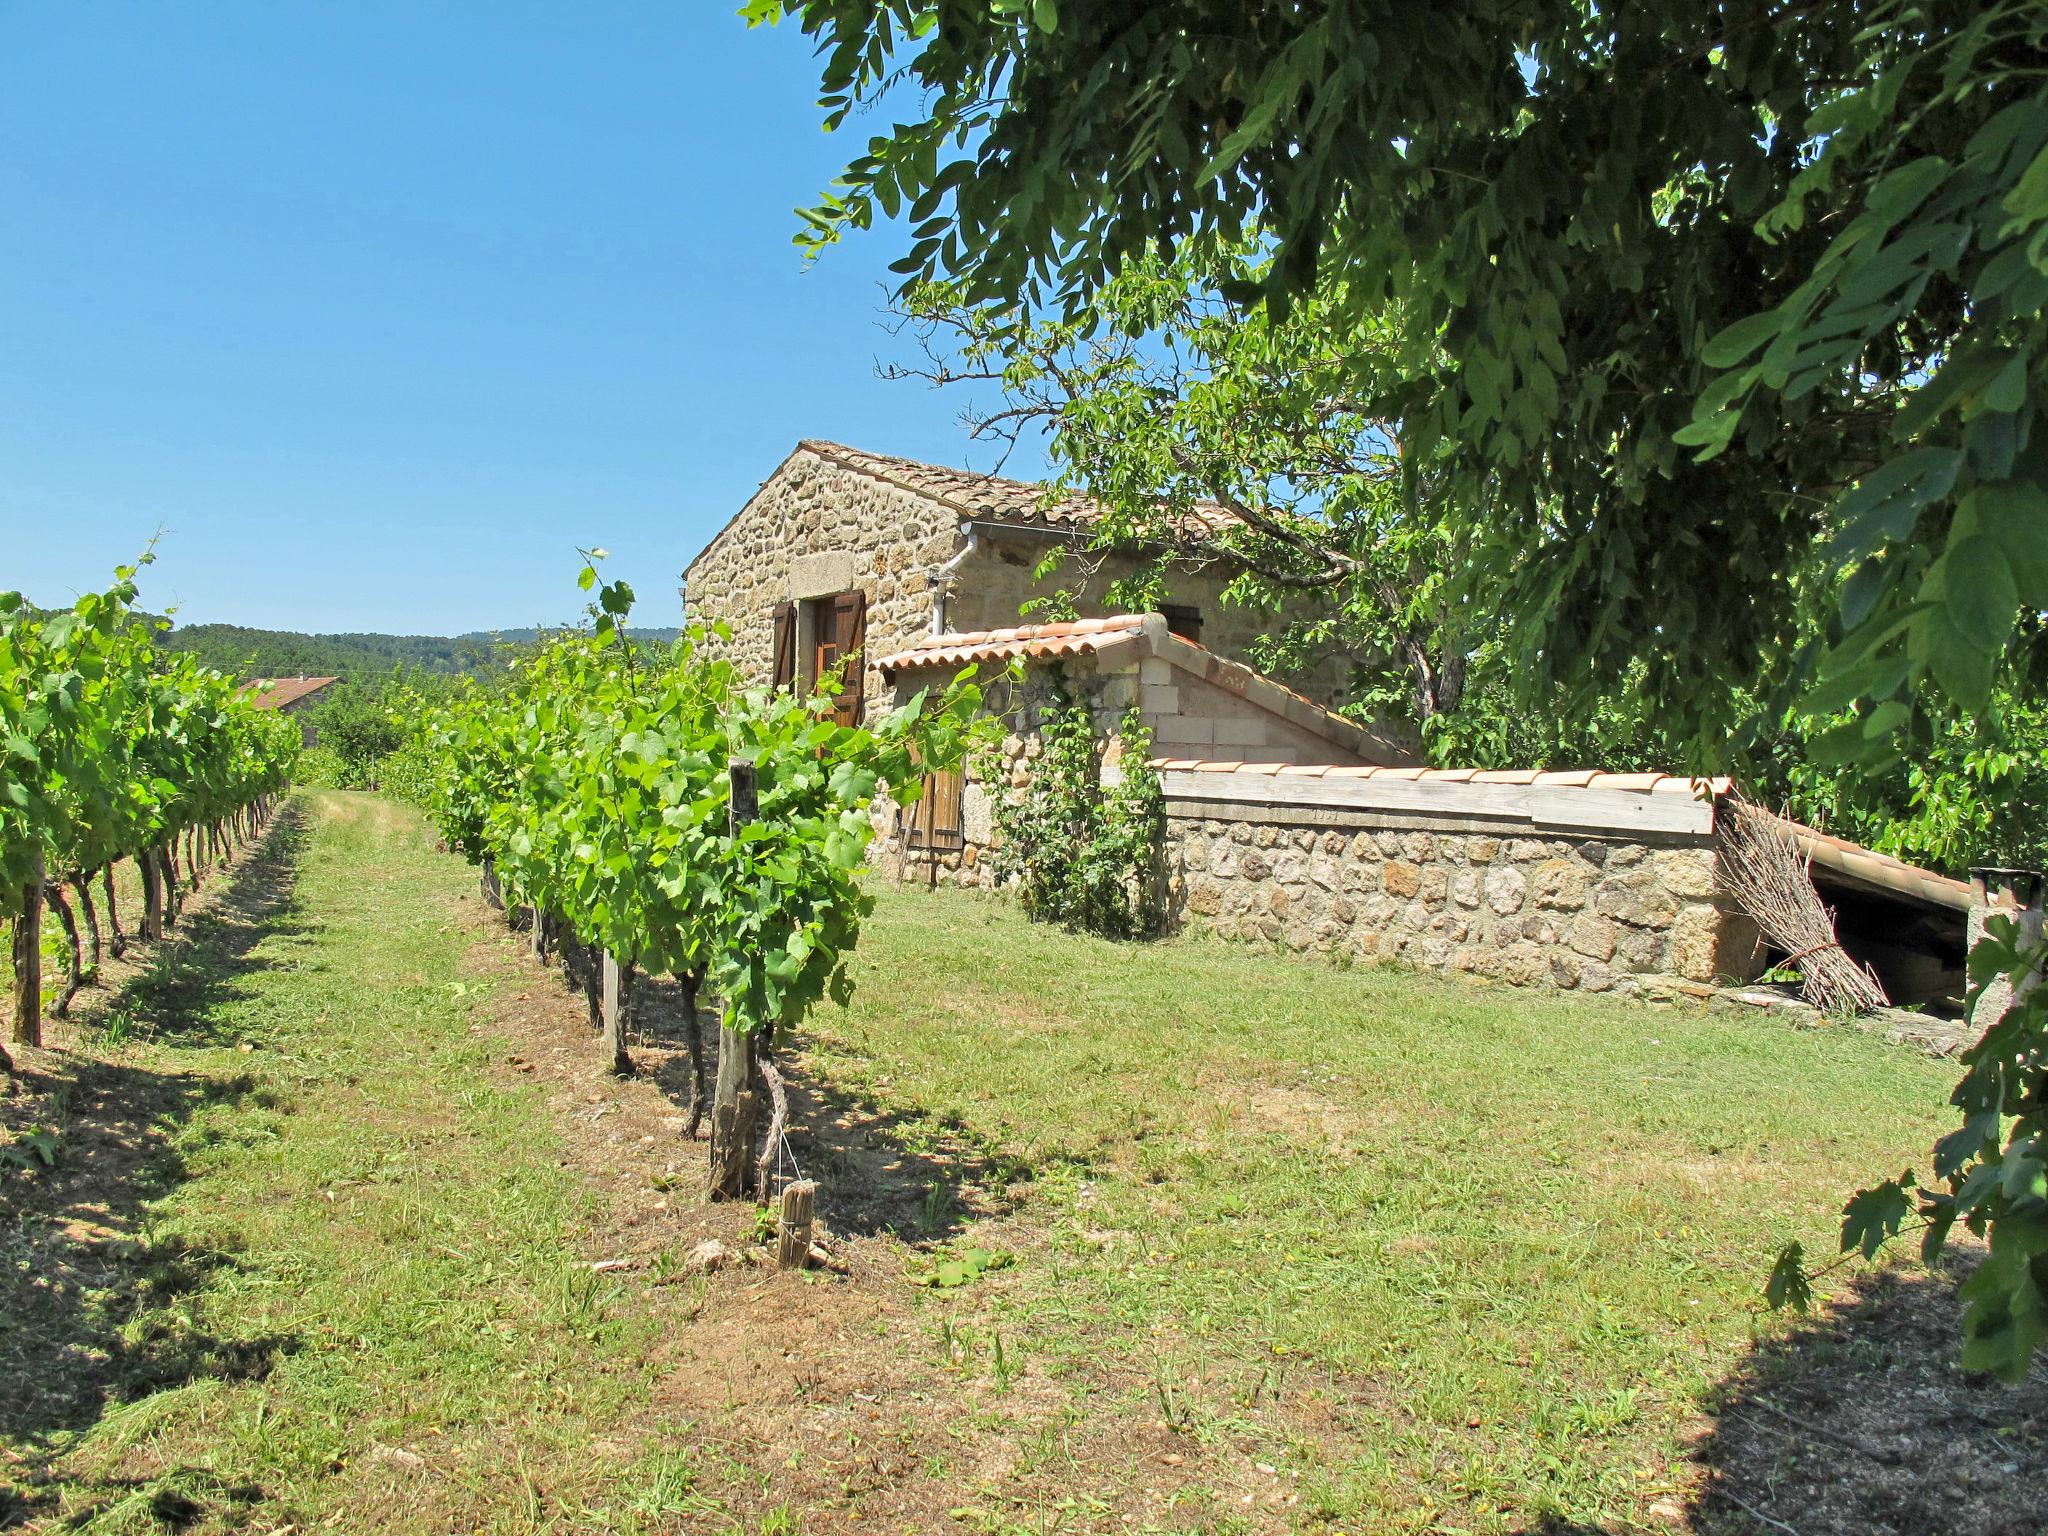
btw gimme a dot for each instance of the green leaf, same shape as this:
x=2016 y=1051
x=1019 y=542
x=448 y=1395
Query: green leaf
x=1731 y=345
x=1873 y=1216
x=1788 y=1285
x=1884 y=505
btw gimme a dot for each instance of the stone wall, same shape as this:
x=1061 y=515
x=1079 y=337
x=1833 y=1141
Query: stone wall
x=1593 y=913
x=812 y=530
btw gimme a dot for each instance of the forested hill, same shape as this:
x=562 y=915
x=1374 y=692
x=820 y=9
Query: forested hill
x=244 y=652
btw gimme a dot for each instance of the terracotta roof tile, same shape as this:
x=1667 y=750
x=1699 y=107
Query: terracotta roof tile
x=1031 y=642
x=278 y=692
x=972 y=494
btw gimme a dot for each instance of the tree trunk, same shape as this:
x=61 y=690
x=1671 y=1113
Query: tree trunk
x=167 y=871
x=616 y=989
x=793 y=1229
x=74 y=955
x=487 y=881
x=737 y=1106
x=735 y=1113
x=28 y=963
x=116 y=939
x=152 y=895
x=82 y=883
x=694 y=1024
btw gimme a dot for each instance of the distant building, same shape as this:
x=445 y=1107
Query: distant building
x=294 y=696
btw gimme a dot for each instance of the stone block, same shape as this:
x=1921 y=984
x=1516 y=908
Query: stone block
x=1434 y=885
x=1506 y=886
x=1591 y=936
x=1695 y=950
x=1380 y=913
x=1229 y=732
x=1184 y=730
x=1559 y=884
x=1482 y=850
x=1524 y=963
x=1466 y=887
x=1159 y=699
x=1687 y=873
x=1400 y=878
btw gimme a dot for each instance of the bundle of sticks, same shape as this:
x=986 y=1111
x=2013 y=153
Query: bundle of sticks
x=1762 y=863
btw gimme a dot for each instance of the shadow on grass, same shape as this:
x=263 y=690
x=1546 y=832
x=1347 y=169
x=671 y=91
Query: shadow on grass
x=88 y=1287
x=1860 y=1422
x=877 y=1171
x=206 y=959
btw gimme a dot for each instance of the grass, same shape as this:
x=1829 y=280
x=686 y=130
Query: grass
x=1290 y=1247
x=1513 y=1240
x=344 y=1243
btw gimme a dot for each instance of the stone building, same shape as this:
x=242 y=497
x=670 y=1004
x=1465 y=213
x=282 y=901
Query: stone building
x=842 y=551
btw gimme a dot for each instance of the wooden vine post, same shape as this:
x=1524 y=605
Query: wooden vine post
x=28 y=960
x=793 y=1227
x=735 y=1108
x=615 y=987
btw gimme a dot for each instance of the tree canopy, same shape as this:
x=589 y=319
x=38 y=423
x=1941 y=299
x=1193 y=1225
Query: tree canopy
x=1698 y=310
x=1704 y=321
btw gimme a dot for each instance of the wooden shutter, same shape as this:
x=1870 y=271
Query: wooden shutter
x=785 y=646
x=935 y=821
x=850 y=618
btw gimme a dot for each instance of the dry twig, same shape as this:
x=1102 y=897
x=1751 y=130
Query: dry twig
x=1763 y=865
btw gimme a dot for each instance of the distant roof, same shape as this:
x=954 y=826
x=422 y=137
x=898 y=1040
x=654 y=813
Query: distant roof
x=279 y=692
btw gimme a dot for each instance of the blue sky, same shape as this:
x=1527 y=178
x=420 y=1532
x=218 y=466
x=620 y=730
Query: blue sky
x=380 y=310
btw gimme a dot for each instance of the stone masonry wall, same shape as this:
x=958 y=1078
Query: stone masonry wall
x=1589 y=913
x=812 y=530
